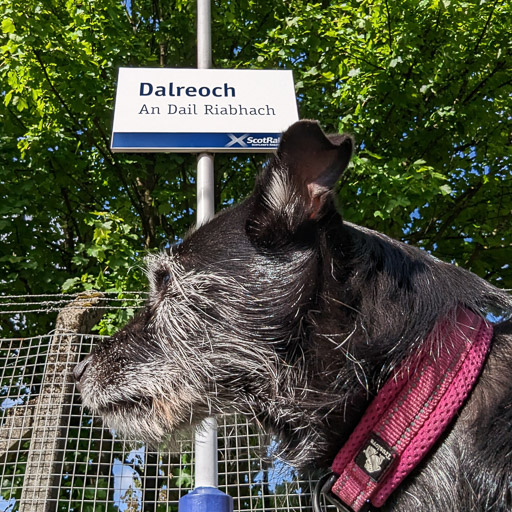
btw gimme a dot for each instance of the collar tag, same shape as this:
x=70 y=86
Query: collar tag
x=376 y=458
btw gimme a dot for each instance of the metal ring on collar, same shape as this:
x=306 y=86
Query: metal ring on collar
x=323 y=488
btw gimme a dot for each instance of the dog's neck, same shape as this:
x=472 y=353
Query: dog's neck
x=378 y=299
x=347 y=312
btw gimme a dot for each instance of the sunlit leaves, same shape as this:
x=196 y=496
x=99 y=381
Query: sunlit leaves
x=413 y=81
x=424 y=86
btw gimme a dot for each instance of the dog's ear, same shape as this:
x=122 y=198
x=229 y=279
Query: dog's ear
x=295 y=187
x=313 y=162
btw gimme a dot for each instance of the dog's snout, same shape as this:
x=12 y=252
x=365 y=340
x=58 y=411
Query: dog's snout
x=80 y=368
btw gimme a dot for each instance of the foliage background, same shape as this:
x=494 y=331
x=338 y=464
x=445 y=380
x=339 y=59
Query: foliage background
x=424 y=85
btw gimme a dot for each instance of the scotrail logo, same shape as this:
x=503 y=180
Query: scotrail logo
x=246 y=140
x=237 y=140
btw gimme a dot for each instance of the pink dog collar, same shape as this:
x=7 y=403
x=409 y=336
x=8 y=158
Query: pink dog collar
x=410 y=412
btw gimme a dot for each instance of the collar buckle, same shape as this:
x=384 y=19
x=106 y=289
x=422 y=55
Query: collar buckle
x=323 y=489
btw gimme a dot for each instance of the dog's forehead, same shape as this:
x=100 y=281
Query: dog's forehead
x=217 y=246
x=221 y=239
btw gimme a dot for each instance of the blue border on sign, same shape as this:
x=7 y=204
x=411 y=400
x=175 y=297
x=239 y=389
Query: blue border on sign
x=159 y=140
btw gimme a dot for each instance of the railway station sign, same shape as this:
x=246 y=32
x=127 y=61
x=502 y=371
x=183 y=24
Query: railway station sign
x=202 y=110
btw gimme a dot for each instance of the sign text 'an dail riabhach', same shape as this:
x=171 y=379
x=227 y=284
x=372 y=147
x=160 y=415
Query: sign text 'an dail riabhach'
x=202 y=110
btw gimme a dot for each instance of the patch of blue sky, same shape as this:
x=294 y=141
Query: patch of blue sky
x=481 y=171
x=7 y=505
x=277 y=474
x=128 y=6
x=136 y=456
x=127 y=487
x=414 y=215
x=8 y=403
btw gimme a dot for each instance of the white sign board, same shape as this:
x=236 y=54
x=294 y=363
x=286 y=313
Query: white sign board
x=202 y=110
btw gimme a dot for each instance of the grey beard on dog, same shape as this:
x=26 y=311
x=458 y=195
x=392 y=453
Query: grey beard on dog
x=279 y=310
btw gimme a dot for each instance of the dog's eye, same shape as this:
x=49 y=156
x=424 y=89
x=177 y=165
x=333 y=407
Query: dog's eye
x=161 y=278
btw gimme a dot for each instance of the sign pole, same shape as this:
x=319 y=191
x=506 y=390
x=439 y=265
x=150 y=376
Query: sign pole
x=206 y=435
x=204 y=34
x=205 y=497
x=205 y=169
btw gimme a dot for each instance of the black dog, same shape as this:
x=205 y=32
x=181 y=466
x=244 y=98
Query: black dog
x=279 y=310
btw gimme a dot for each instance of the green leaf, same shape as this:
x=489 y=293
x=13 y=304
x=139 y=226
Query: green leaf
x=8 y=26
x=445 y=190
x=70 y=283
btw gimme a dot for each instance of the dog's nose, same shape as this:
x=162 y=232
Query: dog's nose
x=79 y=369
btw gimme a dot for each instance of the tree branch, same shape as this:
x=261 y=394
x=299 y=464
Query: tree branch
x=107 y=155
x=455 y=210
x=390 y=37
x=499 y=66
x=77 y=127
x=486 y=26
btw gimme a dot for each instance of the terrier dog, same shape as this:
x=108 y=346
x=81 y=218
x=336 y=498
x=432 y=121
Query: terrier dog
x=279 y=310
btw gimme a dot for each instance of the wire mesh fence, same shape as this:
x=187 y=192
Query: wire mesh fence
x=54 y=456
x=24 y=315
x=54 y=302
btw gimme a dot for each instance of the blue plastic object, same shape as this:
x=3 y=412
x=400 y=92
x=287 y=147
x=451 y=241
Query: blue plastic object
x=205 y=499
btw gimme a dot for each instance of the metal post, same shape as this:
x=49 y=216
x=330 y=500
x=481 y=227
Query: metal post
x=205 y=497
x=205 y=188
x=206 y=454
x=44 y=462
x=204 y=34
x=206 y=436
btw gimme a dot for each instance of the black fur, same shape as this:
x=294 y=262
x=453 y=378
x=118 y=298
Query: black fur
x=279 y=310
